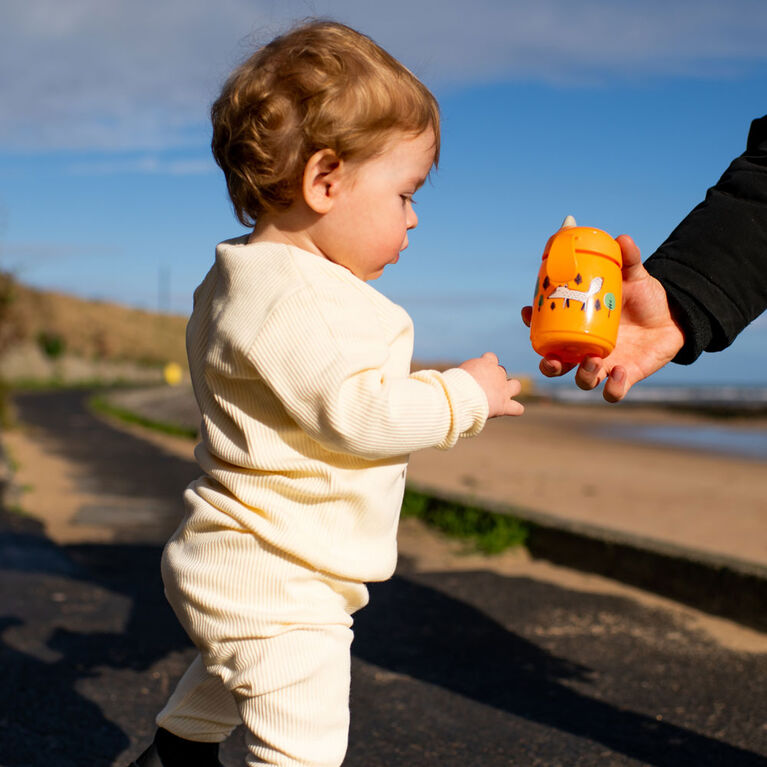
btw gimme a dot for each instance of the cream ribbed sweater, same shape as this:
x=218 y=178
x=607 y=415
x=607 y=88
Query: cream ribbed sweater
x=309 y=410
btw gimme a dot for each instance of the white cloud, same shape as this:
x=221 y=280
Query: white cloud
x=127 y=74
x=562 y=41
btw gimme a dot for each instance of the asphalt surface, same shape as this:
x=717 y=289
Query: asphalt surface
x=449 y=668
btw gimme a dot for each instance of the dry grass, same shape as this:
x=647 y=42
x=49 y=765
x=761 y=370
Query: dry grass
x=95 y=330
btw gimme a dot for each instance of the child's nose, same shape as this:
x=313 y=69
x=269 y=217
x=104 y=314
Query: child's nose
x=412 y=218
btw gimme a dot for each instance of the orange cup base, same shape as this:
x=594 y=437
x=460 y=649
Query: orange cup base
x=571 y=347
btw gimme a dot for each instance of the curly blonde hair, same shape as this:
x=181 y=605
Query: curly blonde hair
x=320 y=86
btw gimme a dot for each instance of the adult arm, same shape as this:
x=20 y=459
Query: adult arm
x=705 y=284
x=713 y=266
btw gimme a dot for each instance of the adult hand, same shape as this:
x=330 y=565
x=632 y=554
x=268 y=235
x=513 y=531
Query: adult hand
x=648 y=336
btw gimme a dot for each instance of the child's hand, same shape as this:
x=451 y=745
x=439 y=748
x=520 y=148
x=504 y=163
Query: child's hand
x=499 y=389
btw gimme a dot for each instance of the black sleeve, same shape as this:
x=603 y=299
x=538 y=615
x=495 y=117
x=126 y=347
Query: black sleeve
x=714 y=264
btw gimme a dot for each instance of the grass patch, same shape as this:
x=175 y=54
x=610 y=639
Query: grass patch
x=102 y=405
x=487 y=531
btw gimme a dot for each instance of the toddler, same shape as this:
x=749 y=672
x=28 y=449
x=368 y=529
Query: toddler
x=302 y=373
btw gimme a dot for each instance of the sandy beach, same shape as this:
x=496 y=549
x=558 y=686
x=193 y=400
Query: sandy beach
x=571 y=461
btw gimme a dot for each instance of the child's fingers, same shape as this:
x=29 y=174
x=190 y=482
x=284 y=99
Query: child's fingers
x=492 y=358
x=512 y=407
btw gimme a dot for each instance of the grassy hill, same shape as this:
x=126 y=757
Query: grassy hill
x=59 y=326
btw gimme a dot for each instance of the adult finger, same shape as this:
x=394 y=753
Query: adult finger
x=616 y=385
x=552 y=367
x=591 y=372
x=632 y=257
x=527 y=315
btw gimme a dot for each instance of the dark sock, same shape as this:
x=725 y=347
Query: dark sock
x=178 y=752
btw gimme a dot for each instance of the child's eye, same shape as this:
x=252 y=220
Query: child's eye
x=408 y=198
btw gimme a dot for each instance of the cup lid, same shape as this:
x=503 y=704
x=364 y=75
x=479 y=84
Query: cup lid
x=563 y=246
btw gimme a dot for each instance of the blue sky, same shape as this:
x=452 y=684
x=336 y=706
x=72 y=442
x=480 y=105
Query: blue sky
x=620 y=113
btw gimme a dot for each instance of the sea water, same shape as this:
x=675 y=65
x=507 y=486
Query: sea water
x=720 y=438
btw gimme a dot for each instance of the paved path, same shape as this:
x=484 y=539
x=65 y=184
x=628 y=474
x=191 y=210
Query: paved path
x=457 y=662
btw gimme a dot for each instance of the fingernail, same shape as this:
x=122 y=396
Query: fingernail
x=617 y=374
x=590 y=365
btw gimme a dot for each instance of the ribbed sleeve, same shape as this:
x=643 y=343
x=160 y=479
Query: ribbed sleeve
x=325 y=355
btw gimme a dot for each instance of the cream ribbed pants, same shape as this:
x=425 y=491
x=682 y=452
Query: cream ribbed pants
x=274 y=638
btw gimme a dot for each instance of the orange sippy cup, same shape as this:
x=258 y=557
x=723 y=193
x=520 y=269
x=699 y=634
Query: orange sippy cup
x=577 y=302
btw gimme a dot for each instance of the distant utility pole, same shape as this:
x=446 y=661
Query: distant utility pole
x=163 y=290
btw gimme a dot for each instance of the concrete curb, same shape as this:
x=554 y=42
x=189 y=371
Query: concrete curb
x=719 y=585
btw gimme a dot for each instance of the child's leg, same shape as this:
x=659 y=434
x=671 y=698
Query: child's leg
x=201 y=708
x=276 y=632
x=292 y=691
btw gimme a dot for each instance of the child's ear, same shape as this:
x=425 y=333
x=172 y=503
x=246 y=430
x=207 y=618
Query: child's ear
x=321 y=176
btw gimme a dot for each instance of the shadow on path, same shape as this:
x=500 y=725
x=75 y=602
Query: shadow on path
x=72 y=618
x=416 y=630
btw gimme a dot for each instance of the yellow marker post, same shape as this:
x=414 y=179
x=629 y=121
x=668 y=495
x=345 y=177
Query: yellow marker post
x=173 y=374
